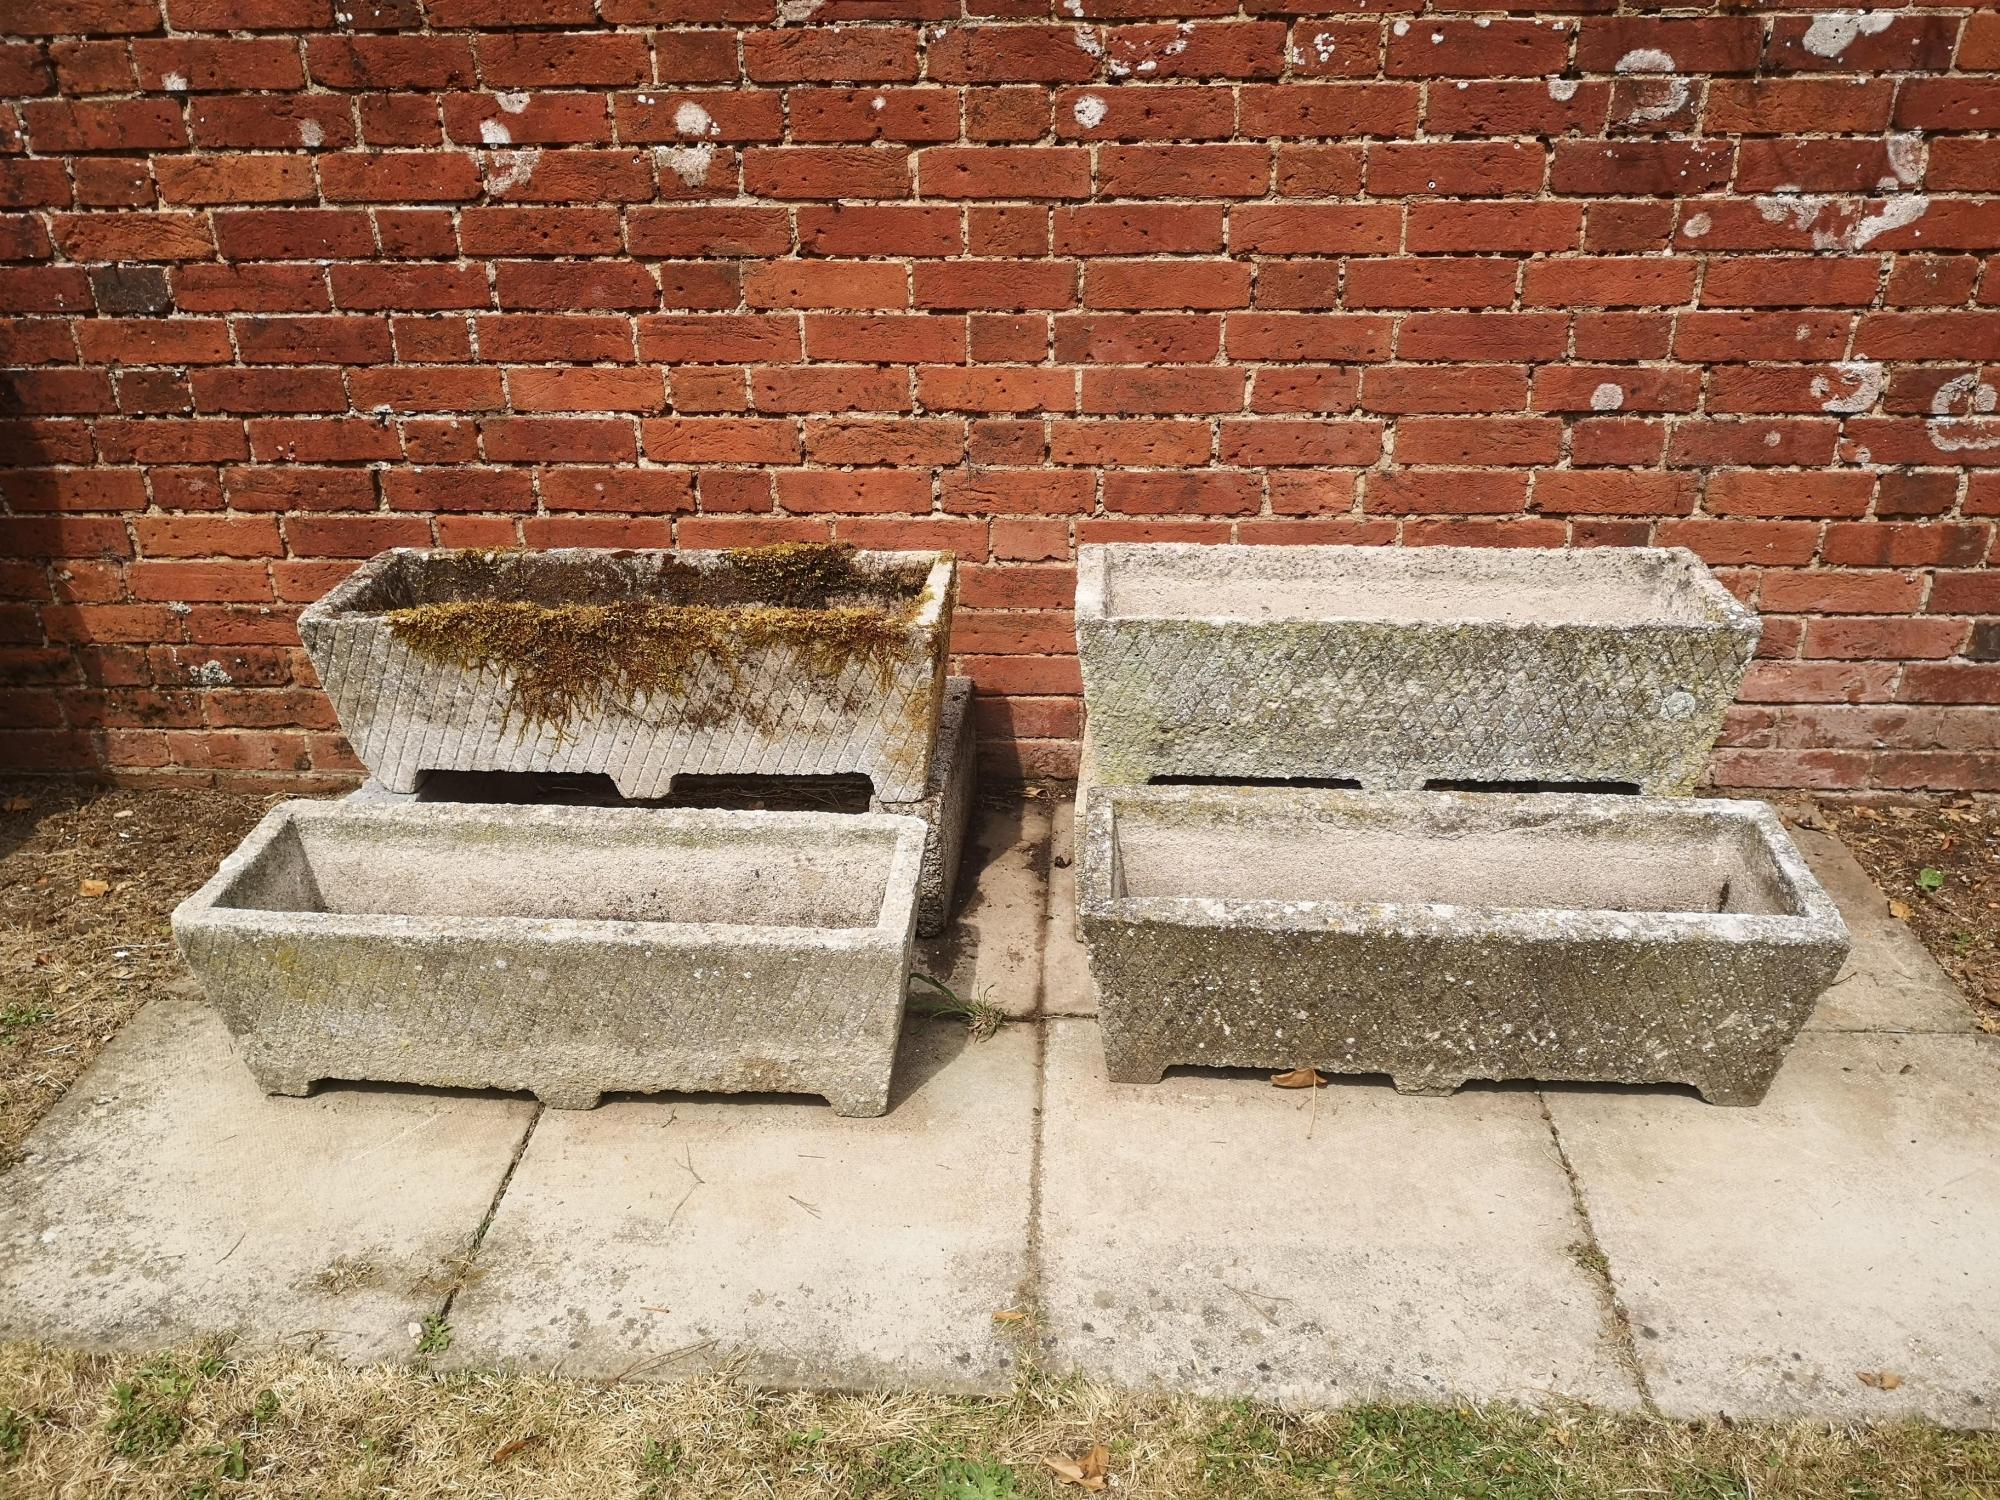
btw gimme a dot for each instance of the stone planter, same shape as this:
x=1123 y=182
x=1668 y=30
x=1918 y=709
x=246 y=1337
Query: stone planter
x=1397 y=668
x=565 y=950
x=945 y=807
x=712 y=663
x=1439 y=936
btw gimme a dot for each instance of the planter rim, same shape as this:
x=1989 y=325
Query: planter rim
x=1722 y=609
x=339 y=601
x=1816 y=920
x=903 y=834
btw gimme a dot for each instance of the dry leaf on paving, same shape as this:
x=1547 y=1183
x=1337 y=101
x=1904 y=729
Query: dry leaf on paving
x=18 y=804
x=93 y=888
x=1902 y=911
x=1010 y=1315
x=1881 y=1380
x=1088 y=1472
x=1298 y=1078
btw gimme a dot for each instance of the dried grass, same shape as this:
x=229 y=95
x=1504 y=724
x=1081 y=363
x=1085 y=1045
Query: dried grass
x=291 y=1426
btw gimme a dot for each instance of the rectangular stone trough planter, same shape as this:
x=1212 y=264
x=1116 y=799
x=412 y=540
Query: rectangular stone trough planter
x=1401 y=667
x=783 y=704
x=1440 y=937
x=569 y=951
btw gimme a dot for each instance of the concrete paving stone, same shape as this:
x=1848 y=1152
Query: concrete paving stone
x=656 y=1238
x=993 y=951
x=1768 y=1256
x=1067 y=988
x=166 y=1197
x=1890 y=982
x=1214 y=1234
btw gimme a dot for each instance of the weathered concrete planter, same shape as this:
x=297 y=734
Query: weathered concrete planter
x=945 y=807
x=772 y=710
x=568 y=951
x=1399 y=667
x=1441 y=936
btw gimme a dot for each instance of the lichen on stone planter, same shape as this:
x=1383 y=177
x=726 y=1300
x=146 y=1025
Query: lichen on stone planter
x=570 y=951
x=1440 y=937
x=1398 y=667
x=795 y=659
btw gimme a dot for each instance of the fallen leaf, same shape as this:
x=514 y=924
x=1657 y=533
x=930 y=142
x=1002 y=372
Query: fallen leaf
x=507 y=1450
x=93 y=888
x=1088 y=1472
x=18 y=804
x=1902 y=911
x=1298 y=1078
x=1881 y=1380
x=1010 y=1315
x=1930 y=878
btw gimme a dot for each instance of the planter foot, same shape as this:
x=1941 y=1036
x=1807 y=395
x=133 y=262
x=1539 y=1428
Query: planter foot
x=1737 y=1094
x=571 y=1096
x=864 y=1105
x=1432 y=1088
x=1133 y=1069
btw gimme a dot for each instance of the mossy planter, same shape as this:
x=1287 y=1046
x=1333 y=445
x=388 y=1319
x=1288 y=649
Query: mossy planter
x=642 y=665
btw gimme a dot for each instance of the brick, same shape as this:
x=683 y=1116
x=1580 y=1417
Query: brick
x=838 y=54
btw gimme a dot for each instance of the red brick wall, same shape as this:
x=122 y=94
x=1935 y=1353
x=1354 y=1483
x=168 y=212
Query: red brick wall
x=288 y=281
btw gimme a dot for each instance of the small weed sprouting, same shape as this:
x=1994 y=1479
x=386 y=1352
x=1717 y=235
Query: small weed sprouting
x=20 y=1017
x=660 y=1459
x=149 y=1411
x=982 y=1017
x=436 y=1335
x=977 y=1479
x=14 y=1428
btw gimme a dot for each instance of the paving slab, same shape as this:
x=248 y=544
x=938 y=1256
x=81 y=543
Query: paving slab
x=166 y=1197
x=1768 y=1256
x=1067 y=988
x=1214 y=1234
x=993 y=951
x=656 y=1238
x=1890 y=981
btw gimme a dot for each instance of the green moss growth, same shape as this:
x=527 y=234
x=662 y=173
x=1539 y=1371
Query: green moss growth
x=598 y=638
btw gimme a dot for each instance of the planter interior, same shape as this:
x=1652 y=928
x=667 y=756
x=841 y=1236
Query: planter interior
x=611 y=867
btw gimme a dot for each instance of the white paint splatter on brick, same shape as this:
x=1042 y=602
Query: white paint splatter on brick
x=1833 y=33
x=692 y=119
x=507 y=170
x=689 y=163
x=1906 y=157
x=1607 y=397
x=513 y=104
x=1645 y=60
x=1863 y=379
x=1697 y=226
x=311 y=133
x=1090 y=111
x=1947 y=423
x=1562 y=89
x=174 y=83
x=1896 y=213
x=494 y=133
x=1804 y=212
x=1670 y=101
